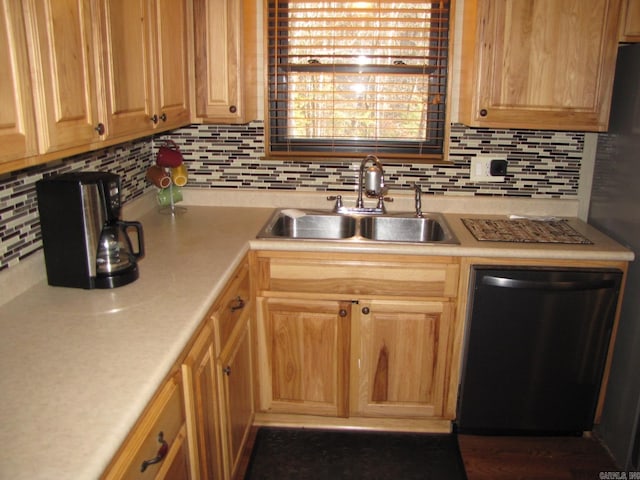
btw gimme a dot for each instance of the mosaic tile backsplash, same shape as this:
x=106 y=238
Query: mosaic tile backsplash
x=541 y=165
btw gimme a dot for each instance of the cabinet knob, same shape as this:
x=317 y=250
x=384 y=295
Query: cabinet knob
x=342 y=312
x=365 y=310
x=163 y=117
x=238 y=305
x=227 y=370
x=162 y=452
x=483 y=112
x=100 y=129
x=233 y=109
x=154 y=118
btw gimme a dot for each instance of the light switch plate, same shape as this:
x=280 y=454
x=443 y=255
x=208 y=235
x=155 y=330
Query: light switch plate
x=481 y=169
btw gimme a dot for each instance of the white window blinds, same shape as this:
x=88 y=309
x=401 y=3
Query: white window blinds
x=352 y=77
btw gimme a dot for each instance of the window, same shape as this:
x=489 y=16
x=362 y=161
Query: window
x=353 y=77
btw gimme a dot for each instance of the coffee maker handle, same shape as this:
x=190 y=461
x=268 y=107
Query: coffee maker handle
x=139 y=234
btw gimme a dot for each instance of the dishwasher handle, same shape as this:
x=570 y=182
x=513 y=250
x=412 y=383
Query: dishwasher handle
x=574 y=285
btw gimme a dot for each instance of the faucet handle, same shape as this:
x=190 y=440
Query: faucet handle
x=338 y=199
x=381 y=200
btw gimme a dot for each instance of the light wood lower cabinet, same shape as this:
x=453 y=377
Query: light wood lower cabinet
x=231 y=316
x=219 y=383
x=235 y=391
x=157 y=447
x=400 y=352
x=355 y=336
x=206 y=407
x=304 y=355
x=203 y=426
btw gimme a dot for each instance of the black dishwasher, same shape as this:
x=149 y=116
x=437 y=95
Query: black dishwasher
x=535 y=349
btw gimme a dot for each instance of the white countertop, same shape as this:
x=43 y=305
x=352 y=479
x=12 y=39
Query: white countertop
x=79 y=366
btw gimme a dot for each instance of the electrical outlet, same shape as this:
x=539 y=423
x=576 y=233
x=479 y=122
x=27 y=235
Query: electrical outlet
x=481 y=169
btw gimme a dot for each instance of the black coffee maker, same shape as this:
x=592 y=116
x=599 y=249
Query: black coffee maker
x=86 y=243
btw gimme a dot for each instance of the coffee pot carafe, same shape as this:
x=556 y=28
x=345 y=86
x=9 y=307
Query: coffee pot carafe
x=115 y=252
x=86 y=243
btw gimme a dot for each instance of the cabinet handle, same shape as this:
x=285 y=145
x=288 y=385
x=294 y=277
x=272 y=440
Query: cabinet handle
x=239 y=305
x=100 y=129
x=162 y=452
x=483 y=112
x=365 y=310
x=163 y=117
x=233 y=109
x=154 y=118
x=342 y=312
x=227 y=370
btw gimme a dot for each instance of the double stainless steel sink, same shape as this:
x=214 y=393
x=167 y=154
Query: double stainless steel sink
x=430 y=228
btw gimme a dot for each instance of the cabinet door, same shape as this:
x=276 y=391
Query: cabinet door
x=236 y=393
x=17 y=127
x=61 y=41
x=201 y=405
x=128 y=66
x=401 y=355
x=538 y=63
x=303 y=356
x=630 y=26
x=170 y=41
x=163 y=421
x=226 y=53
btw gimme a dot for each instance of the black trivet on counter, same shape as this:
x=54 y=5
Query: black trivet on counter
x=524 y=230
x=284 y=453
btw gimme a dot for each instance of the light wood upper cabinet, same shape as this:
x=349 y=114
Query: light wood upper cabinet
x=85 y=74
x=400 y=352
x=226 y=60
x=128 y=66
x=144 y=56
x=63 y=71
x=630 y=24
x=539 y=64
x=172 y=57
x=17 y=123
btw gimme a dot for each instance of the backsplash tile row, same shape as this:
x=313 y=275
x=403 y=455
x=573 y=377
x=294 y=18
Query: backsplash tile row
x=541 y=165
x=19 y=222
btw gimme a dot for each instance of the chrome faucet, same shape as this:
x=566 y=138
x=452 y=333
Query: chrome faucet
x=418 y=199
x=371 y=182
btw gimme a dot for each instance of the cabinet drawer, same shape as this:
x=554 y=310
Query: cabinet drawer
x=231 y=305
x=164 y=414
x=417 y=277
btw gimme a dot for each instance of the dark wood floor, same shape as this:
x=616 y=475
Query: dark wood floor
x=520 y=458
x=528 y=458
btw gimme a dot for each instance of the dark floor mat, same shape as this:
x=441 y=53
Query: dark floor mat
x=281 y=453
